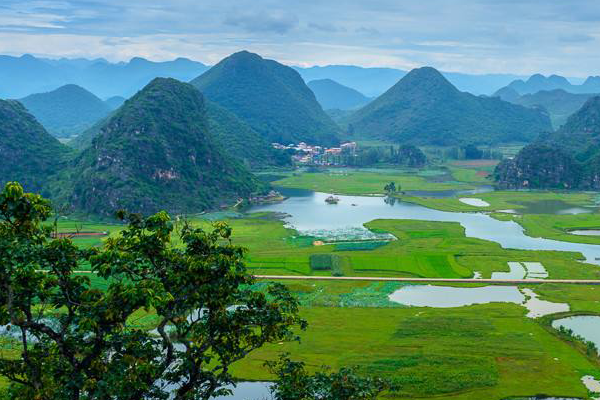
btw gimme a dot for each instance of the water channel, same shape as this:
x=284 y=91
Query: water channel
x=309 y=213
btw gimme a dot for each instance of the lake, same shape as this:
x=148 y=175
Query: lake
x=308 y=213
x=588 y=327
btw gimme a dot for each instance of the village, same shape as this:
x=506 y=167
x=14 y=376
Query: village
x=317 y=155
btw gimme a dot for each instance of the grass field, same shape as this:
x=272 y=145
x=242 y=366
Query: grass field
x=503 y=200
x=557 y=226
x=470 y=353
x=360 y=183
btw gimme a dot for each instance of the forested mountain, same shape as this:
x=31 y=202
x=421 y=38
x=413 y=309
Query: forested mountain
x=240 y=141
x=155 y=153
x=236 y=138
x=423 y=108
x=539 y=82
x=66 y=111
x=332 y=95
x=22 y=76
x=566 y=159
x=559 y=104
x=29 y=154
x=270 y=97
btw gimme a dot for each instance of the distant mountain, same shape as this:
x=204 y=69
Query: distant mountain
x=66 y=111
x=507 y=94
x=539 y=82
x=559 y=104
x=22 y=76
x=374 y=81
x=29 y=154
x=332 y=95
x=566 y=159
x=270 y=97
x=423 y=108
x=114 y=102
x=155 y=153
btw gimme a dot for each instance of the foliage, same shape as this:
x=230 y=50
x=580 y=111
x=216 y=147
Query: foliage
x=270 y=97
x=27 y=152
x=295 y=383
x=77 y=342
x=155 y=152
x=66 y=111
x=390 y=188
x=424 y=108
x=566 y=159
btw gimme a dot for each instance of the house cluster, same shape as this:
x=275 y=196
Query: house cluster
x=318 y=155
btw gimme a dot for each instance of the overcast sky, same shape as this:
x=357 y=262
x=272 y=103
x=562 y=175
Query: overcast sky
x=475 y=36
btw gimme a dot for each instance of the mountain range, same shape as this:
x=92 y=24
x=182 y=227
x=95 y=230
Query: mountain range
x=559 y=104
x=539 y=82
x=335 y=96
x=424 y=108
x=270 y=97
x=25 y=75
x=29 y=154
x=67 y=110
x=566 y=159
x=155 y=152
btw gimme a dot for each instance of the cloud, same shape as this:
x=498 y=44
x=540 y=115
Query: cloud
x=576 y=38
x=264 y=22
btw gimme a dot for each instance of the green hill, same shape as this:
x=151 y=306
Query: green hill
x=28 y=153
x=270 y=97
x=423 y=108
x=566 y=159
x=559 y=104
x=236 y=137
x=156 y=153
x=333 y=95
x=66 y=111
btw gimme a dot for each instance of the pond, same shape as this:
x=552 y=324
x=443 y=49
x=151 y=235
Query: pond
x=586 y=326
x=552 y=207
x=308 y=212
x=451 y=297
x=474 y=202
x=444 y=194
x=586 y=232
x=250 y=391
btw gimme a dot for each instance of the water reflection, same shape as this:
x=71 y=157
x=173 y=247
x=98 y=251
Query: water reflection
x=308 y=211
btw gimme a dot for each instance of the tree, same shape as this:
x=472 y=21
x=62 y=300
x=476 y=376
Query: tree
x=295 y=383
x=390 y=188
x=80 y=342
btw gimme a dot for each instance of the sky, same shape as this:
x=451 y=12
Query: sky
x=471 y=36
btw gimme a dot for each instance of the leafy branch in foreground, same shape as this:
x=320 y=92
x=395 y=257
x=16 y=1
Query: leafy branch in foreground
x=295 y=383
x=77 y=342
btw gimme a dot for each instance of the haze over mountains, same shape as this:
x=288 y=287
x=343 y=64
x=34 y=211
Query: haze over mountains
x=25 y=75
x=67 y=110
x=539 y=82
x=566 y=159
x=423 y=108
x=332 y=95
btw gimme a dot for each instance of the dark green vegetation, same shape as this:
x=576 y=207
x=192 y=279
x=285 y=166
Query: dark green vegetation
x=27 y=152
x=242 y=142
x=332 y=95
x=409 y=156
x=236 y=138
x=566 y=159
x=156 y=152
x=559 y=104
x=270 y=97
x=66 y=111
x=76 y=341
x=423 y=108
